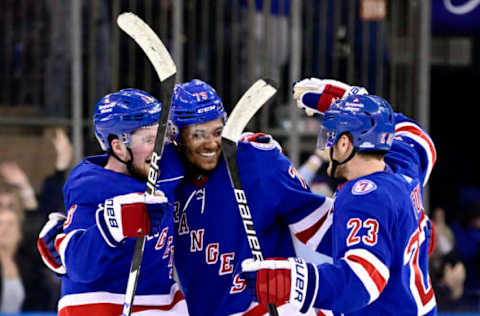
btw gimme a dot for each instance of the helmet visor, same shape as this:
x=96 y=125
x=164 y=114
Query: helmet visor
x=325 y=138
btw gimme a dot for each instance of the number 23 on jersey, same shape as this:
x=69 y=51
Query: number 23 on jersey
x=369 y=237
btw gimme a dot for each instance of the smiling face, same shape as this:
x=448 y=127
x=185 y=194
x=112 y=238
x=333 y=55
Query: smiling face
x=202 y=144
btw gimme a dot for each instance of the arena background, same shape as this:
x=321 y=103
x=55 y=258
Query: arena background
x=58 y=57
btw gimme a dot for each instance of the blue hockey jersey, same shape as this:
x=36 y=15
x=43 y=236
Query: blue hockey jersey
x=97 y=274
x=381 y=235
x=210 y=240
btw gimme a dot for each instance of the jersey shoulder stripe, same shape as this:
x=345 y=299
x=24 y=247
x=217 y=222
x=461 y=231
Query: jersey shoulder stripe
x=313 y=227
x=416 y=134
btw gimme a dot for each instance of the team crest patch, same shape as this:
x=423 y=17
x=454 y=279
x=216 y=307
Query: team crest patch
x=363 y=187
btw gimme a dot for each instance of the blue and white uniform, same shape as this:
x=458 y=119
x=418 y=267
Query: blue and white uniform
x=97 y=270
x=381 y=235
x=97 y=274
x=210 y=240
x=209 y=236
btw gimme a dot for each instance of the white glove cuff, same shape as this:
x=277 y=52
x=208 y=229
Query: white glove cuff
x=304 y=284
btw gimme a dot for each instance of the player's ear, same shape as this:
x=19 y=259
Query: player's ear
x=118 y=147
x=344 y=143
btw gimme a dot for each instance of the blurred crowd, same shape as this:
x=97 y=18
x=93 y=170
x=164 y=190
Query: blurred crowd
x=455 y=262
x=26 y=284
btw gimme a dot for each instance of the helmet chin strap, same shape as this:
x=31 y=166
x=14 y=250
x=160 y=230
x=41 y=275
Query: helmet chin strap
x=129 y=165
x=120 y=159
x=336 y=163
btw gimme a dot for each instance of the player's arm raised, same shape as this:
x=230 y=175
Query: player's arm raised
x=413 y=150
x=315 y=95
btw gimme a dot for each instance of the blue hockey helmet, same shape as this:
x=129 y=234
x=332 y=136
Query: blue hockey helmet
x=121 y=113
x=194 y=102
x=368 y=118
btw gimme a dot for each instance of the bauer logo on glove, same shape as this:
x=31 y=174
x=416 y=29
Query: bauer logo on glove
x=110 y=212
x=131 y=215
x=281 y=280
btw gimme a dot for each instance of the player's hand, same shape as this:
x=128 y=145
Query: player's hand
x=47 y=242
x=131 y=215
x=278 y=280
x=14 y=175
x=263 y=140
x=316 y=95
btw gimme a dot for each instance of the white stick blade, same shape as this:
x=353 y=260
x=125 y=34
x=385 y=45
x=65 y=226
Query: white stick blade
x=250 y=102
x=150 y=43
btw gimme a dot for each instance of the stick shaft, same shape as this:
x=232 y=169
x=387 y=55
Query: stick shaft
x=165 y=68
x=258 y=95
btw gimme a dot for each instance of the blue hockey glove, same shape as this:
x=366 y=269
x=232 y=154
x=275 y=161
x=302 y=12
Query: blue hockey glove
x=131 y=215
x=278 y=280
x=51 y=232
x=262 y=140
x=316 y=95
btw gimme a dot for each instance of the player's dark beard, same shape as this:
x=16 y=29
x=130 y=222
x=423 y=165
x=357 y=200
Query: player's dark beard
x=192 y=171
x=136 y=172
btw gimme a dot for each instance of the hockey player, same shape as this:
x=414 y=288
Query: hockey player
x=381 y=234
x=106 y=203
x=209 y=235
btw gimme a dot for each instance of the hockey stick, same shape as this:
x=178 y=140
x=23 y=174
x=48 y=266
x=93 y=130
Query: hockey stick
x=251 y=101
x=166 y=71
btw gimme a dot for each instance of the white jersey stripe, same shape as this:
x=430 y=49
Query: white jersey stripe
x=324 y=312
x=316 y=239
x=170 y=179
x=310 y=220
x=64 y=244
x=424 y=140
x=369 y=278
x=114 y=298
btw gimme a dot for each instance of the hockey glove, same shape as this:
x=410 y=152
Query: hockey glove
x=51 y=232
x=316 y=95
x=131 y=215
x=262 y=140
x=278 y=280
